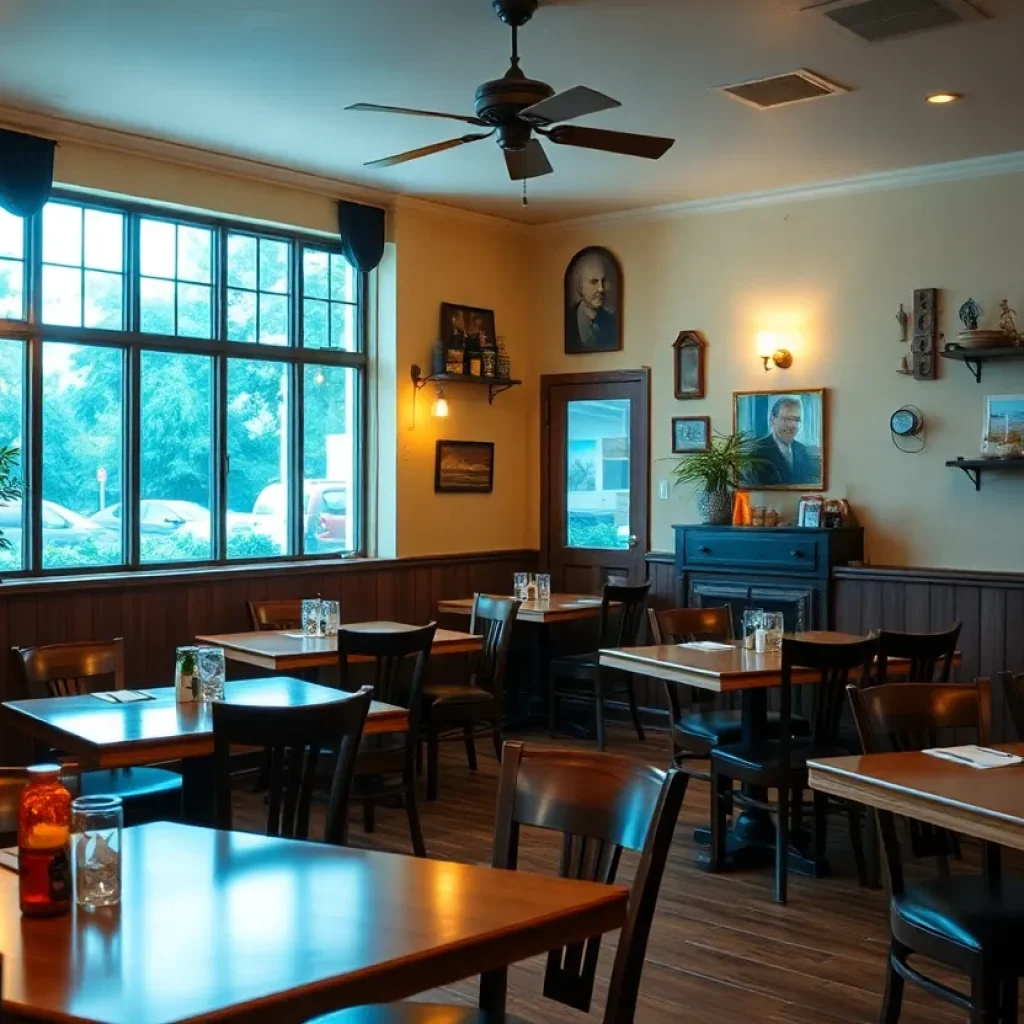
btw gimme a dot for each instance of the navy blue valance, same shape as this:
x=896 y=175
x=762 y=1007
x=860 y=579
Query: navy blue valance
x=26 y=172
x=362 y=234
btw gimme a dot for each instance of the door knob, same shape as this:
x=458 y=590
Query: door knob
x=632 y=540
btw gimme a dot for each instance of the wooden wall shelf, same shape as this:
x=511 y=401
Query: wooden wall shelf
x=974 y=358
x=975 y=467
x=495 y=385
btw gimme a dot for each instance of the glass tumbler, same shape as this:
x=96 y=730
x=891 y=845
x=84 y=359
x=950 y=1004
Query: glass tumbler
x=330 y=617
x=212 y=671
x=96 y=823
x=520 y=585
x=774 y=626
x=311 y=617
x=543 y=586
x=751 y=624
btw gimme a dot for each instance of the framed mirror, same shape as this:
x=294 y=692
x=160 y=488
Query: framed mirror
x=688 y=357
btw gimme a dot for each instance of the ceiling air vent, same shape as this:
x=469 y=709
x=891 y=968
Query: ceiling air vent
x=875 y=21
x=782 y=90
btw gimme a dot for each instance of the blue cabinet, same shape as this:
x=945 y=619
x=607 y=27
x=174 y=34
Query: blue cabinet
x=777 y=569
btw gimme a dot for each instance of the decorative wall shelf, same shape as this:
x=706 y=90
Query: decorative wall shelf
x=495 y=385
x=975 y=467
x=975 y=357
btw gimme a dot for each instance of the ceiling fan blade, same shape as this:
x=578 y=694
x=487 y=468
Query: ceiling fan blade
x=437 y=147
x=565 y=106
x=651 y=147
x=377 y=108
x=531 y=162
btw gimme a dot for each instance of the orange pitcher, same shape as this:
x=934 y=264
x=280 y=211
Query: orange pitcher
x=741 y=514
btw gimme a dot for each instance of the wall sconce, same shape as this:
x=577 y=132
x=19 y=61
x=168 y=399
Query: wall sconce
x=769 y=352
x=439 y=409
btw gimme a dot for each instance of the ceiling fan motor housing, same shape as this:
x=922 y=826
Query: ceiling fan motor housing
x=515 y=12
x=499 y=102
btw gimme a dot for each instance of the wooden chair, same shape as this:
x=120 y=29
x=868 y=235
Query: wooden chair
x=781 y=762
x=601 y=804
x=386 y=765
x=622 y=614
x=68 y=670
x=930 y=654
x=452 y=710
x=275 y=616
x=1013 y=694
x=294 y=739
x=968 y=923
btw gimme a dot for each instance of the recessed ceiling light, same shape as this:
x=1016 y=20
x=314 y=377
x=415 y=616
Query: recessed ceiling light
x=940 y=98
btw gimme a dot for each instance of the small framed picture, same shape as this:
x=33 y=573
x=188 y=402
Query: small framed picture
x=691 y=434
x=1004 y=419
x=464 y=467
x=688 y=352
x=460 y=323
x=810 y=511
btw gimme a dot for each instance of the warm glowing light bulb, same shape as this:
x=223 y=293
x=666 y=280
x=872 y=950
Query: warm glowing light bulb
x=940 y=98
x=767 y=343
x=440 y=407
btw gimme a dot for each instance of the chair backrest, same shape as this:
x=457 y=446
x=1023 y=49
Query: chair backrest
x=601 y=804
x=66 y=670
x=492 y=619
x=930 y=654
x=681 y=625
x=295 y=738
x=275 y=615
x=622 y=614
x=910 y=716
x=1013 y=692
x=835 y=662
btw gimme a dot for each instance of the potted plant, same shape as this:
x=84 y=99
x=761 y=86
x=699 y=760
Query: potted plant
x=717 y=472
x=10 y=486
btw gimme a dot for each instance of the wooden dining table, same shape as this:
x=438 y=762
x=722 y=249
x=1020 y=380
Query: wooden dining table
x=558 y=608
x=291 y=651
x=752 y=675
x=106 y=735
x=236 y=927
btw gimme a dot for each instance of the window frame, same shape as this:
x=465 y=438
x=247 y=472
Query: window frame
x=131 y=341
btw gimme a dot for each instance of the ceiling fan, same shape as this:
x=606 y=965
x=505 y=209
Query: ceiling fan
x=516 y=107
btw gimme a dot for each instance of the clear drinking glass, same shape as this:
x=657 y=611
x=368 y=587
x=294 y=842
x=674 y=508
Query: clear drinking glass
x=330 y=617
x=311 y=617
x=211 y=673
x=774 y=626
x=751 y=624
x=96 y=823
x=543 y=586
x=520 y=585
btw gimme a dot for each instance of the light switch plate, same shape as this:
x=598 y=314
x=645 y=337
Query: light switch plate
x=663 y=490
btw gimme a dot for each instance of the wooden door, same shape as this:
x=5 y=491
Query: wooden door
x=595 y=478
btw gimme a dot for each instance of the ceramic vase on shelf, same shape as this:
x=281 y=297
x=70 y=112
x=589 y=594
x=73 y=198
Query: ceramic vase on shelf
x=715 y=507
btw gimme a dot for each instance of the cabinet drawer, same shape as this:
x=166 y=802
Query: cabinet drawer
x=758 y=552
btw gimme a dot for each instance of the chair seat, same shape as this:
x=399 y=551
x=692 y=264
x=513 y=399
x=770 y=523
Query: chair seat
x=718 y=728
x=968 y=910
x=456 y=693
x=413 y=1013
x=764 y=757
x=575 y=666
x=148 y=794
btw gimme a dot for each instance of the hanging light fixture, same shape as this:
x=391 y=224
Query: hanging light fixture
x=440 y=407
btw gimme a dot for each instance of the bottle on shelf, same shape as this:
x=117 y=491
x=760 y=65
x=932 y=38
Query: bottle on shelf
x=489 y=357
x=474 y=357
x=504 y=364
x=44 y=824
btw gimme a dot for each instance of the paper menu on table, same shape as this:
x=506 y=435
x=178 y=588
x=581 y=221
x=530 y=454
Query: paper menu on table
x=706 y=645
x=975 y=756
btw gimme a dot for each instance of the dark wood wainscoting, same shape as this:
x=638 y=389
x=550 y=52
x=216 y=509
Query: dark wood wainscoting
x=155 y=612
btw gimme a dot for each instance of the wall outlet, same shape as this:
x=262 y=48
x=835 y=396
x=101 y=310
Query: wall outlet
x=663 y=490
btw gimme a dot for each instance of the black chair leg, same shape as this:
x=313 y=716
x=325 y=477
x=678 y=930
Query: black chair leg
x=497 y=738
x=986 y=997
x=857 y=842
x=720 y=787
x=1009 y=1001
x=820 y=826
x=415 y=828
x=634 y=710
x=796 y=817
x=892 y=1002
x=599 y=708
x=467 y=734
x=419 y=756
x=552 y=703
x=433 y=747
x=782 y=845
x=369 y=819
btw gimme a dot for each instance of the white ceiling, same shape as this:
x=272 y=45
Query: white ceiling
x=268 y=79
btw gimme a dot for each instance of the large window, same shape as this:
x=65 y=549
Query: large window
x=198 y=396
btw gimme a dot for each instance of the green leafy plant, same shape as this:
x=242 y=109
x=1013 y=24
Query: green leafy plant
x=729 y=458
x=10 y=485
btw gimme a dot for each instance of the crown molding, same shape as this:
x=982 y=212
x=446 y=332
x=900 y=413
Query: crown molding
x=929 y=174
x=64 y=130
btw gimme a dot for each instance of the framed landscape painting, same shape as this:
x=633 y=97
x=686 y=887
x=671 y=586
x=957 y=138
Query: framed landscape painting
x=464 y=467
x=690 y=434
x=788 y=428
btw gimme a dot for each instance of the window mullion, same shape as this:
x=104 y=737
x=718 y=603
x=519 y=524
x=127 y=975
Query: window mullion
x=131 y=489
x=219 y=385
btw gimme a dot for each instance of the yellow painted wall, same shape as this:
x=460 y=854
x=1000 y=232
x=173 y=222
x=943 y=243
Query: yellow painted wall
x=834 y=272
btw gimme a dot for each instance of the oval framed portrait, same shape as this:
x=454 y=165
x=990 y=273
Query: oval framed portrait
x=593 y=302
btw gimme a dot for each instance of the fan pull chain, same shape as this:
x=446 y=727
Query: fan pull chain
x=526 y=202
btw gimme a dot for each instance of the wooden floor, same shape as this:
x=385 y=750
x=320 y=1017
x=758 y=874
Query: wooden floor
x=720 y=948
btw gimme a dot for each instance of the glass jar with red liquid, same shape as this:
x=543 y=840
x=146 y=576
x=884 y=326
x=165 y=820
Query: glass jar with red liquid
x=44 y=819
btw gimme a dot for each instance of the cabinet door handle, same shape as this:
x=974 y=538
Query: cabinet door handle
x=704 y=549
x=797 y=554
